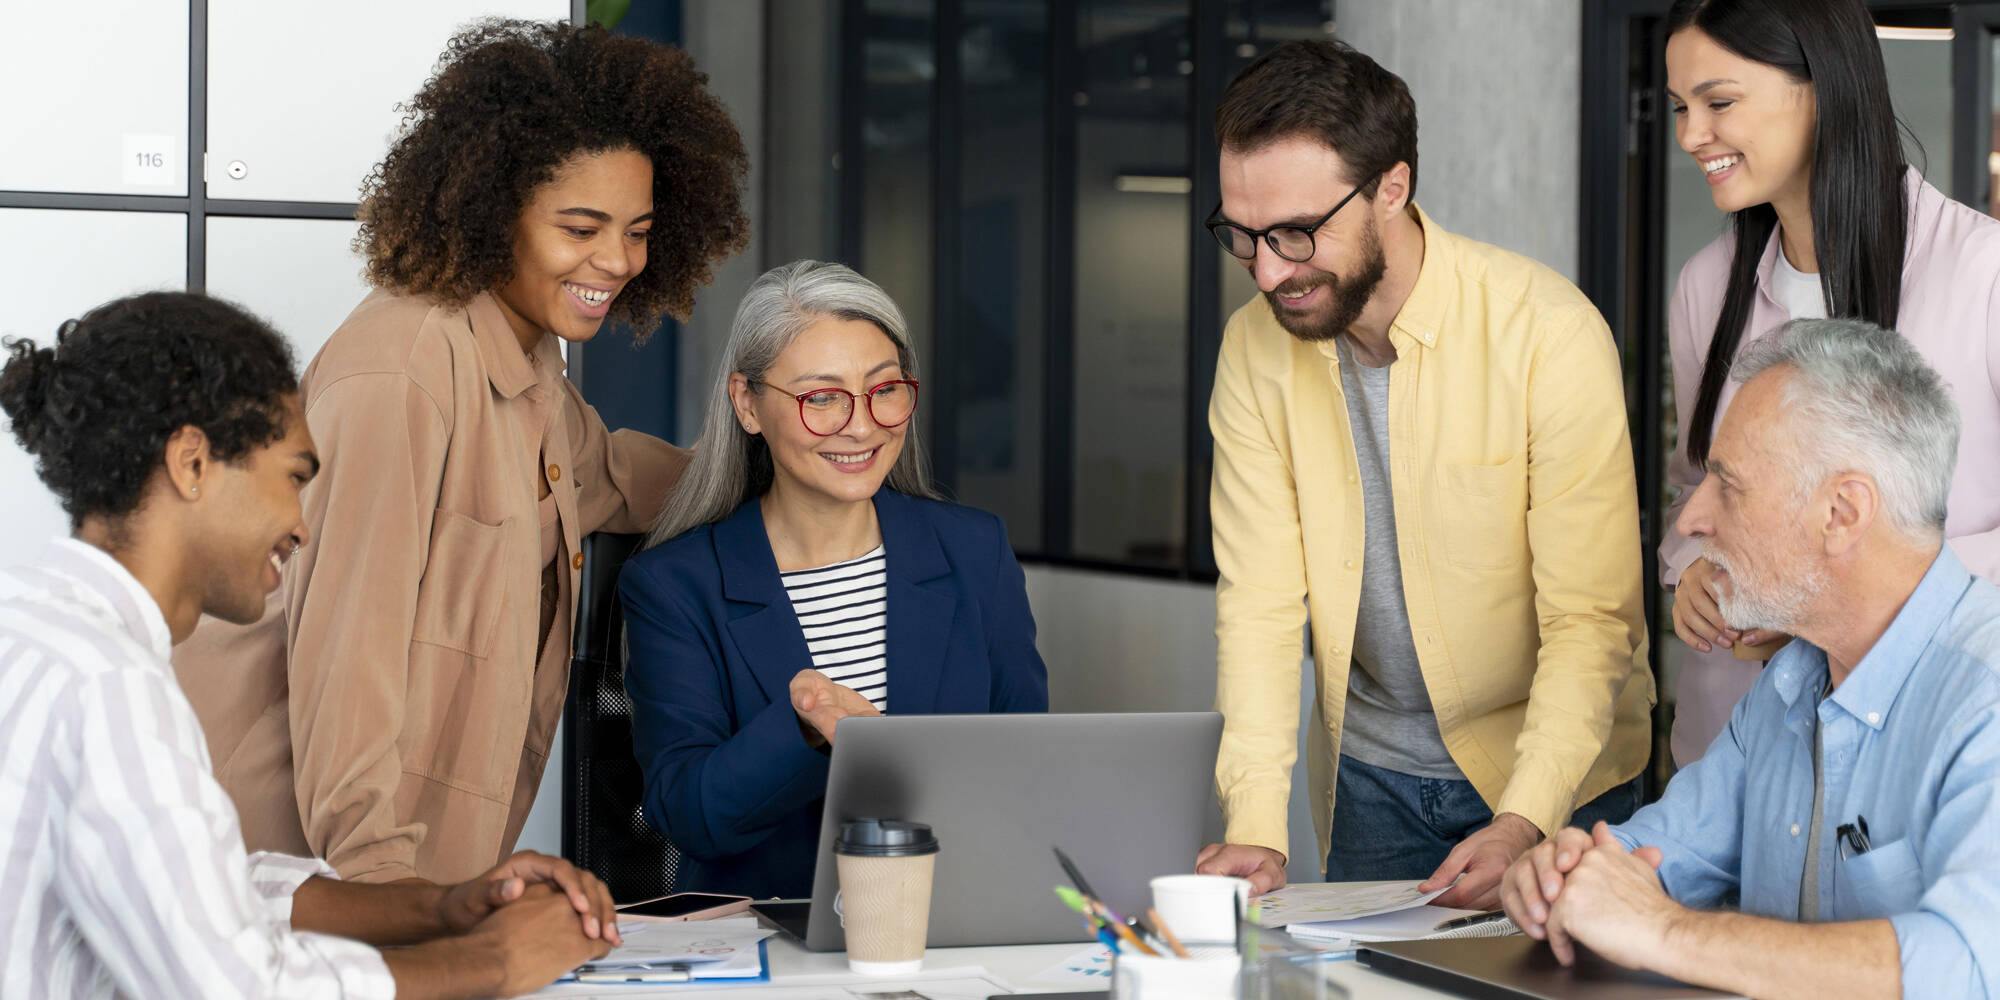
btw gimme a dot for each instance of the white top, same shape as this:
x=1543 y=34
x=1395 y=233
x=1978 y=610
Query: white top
x=844 y=611
x=124 y=865
x=1799 y=293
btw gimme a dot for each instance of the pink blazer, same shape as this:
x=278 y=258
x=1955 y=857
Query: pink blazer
x=1950 y=312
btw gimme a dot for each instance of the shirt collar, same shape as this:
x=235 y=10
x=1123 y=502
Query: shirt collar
x=1871 y=689
x=1919 y=197
x=510 y=371
x=104 y=584
x=1421 y=320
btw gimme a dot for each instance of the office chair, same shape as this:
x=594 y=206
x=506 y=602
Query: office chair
x=603 y=829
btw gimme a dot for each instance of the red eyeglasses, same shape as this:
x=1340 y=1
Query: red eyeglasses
x=827 y=411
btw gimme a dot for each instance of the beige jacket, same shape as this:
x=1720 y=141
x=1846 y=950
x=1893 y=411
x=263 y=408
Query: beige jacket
x=406 y=731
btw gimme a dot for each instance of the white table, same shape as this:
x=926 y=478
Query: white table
x=1014 y=965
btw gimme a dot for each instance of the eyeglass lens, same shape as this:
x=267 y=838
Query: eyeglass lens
x=828 y=411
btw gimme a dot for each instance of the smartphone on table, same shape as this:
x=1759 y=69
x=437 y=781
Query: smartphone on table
x=685 y=906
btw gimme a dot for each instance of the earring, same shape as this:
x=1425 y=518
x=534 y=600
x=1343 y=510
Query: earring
x=194 y=491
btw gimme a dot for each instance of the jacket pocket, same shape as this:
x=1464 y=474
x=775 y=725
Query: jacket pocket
x=460 y=597
x=1883 y=882
x=1485 y=524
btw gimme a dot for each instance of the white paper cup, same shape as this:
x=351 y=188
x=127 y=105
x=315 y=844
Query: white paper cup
x=1201 y=908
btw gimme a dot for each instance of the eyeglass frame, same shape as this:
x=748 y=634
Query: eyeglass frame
x=916 y=390
x=1216 y=222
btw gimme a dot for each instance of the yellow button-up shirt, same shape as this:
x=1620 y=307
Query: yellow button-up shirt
x=1517 y=522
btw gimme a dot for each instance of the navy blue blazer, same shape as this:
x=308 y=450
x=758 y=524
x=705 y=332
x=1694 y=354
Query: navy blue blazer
x=713 y=645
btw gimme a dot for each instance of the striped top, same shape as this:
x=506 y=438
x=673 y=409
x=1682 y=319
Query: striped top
x=844 y=611
x=124 y=865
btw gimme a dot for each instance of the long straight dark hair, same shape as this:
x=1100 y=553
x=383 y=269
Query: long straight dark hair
x=1859 y=215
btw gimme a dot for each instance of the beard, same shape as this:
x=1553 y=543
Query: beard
x=1348 y=296
x=1776 y=601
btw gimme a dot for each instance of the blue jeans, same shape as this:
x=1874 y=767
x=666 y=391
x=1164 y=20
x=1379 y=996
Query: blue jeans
x=1389 y=825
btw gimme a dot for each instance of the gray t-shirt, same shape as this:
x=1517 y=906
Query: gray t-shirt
x=1389 y=723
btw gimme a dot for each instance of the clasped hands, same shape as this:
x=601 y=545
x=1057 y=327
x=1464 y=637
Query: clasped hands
x=465 y=905
x=1586 y=888
x=821 y=704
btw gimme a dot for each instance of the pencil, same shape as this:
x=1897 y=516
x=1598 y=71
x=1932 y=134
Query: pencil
x=1166 y=933
x=1126 y=932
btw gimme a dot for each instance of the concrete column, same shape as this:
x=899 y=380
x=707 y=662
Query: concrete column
x=1498 y=92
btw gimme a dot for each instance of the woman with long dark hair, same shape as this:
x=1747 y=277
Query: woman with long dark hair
x=1784 y=105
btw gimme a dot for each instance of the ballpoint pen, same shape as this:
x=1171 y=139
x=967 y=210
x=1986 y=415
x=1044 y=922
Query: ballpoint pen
x=1470 y=921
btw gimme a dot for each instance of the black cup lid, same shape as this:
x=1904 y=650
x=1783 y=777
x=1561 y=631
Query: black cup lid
x=885 y=838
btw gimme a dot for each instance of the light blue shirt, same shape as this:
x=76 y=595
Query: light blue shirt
x=1912 y=743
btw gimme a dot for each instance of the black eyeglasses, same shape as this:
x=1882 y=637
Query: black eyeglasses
x=1294 y=243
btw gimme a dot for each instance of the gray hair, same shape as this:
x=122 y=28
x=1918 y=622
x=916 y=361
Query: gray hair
x=1861 y=399
x=731 y=466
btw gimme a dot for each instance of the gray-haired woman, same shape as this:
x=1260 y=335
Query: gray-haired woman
x=789 y=586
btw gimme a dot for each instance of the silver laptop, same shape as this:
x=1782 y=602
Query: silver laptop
x=1123 y=795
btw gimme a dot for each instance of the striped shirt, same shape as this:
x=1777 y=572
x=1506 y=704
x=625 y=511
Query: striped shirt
x=124 y=866
x=844 y=611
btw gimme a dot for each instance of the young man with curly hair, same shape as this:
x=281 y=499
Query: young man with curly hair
x=394 y=709
x=170 y=427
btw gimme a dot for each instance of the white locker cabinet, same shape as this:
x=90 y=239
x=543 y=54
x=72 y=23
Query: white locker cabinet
x=55 y=266
x=97 y=97
x=300 y=274
x=302 y=98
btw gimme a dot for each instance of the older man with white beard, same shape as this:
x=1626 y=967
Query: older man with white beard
x=1842 y=836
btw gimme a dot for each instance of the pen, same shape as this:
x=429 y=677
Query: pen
x=1471 y=921
x=1110 y=940
x=1075 y=877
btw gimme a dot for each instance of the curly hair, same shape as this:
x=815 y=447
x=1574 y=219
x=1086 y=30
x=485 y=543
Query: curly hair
x=510 y=103
x=96 y=409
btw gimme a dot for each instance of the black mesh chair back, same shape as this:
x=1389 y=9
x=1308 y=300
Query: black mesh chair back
x=603 y=829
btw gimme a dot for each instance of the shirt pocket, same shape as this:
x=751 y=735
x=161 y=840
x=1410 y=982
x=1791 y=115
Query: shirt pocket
x=1882 y=882
x=460 y=598
x=1482 y=510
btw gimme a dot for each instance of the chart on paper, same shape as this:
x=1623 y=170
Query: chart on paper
x=1317 y=902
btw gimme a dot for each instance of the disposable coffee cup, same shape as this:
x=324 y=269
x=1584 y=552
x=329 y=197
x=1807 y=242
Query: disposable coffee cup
x=885 y=868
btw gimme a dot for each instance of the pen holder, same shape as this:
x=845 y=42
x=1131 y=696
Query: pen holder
x=1212 y=974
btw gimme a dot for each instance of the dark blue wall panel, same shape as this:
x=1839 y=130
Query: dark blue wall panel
x=635 y=387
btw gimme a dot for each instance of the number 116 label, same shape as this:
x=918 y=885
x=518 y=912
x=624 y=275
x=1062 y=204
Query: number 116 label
x=149 y=159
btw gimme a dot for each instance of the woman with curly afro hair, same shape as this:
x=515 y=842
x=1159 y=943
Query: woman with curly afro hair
x=394 y=710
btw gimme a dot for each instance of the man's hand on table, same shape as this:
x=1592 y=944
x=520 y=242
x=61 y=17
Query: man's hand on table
x=1265 y=868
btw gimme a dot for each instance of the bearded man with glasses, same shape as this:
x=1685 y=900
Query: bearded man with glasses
x=1420 y=450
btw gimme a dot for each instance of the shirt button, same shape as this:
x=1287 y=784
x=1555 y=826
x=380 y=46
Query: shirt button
x=576 y=561
x=1351 y=477
x=1350 y=564
x=1874 y=718
x=1795 y=829
x=555 y=473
